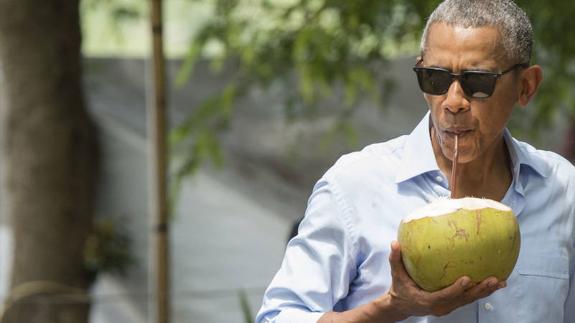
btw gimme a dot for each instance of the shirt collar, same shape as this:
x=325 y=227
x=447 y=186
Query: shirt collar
x=523 y=154
x=419 y=158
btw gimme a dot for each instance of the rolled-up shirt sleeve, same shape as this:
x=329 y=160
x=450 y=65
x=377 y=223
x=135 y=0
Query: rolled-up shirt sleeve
x=318 y=264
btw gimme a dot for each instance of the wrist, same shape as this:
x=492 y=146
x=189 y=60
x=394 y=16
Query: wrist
x=385 y=309
x=381 y=310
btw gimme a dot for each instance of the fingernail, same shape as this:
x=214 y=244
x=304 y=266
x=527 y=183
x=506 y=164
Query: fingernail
x=502 y=285
x=491 y=284
x=465 y=282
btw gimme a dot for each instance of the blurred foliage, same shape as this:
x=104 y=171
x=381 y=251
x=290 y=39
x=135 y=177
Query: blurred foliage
x=337 y=49
x=310 y=48
x=554 y=30
x=245 y=306
x=115 y=12
x=108 y=247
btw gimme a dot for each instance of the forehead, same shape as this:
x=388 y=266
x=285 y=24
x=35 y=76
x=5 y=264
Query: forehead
x=460 y=47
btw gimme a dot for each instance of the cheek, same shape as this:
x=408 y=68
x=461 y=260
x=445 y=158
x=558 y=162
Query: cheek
x=503 y=102
x=428 y=99
x=433 y=101
x=493 y=117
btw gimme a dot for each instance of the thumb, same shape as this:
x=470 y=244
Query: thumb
x=397 y=269
x=395 y=254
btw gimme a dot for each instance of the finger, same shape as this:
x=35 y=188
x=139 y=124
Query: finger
x=481 y=290
x=485 y=288
x=463 y=292
x=471 y=293
x=453 y=291
x=493 y=286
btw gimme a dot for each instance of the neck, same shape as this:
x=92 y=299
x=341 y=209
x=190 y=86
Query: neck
x=487 y=176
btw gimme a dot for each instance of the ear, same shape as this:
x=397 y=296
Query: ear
x=418 y=59
x=530 y=80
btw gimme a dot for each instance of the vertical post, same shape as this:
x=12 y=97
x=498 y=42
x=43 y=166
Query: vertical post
x=158 y=166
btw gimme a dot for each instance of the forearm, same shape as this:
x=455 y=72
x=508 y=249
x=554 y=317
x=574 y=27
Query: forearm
x=378 y=311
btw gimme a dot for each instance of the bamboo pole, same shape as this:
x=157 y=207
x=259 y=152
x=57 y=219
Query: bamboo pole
x=158 y=169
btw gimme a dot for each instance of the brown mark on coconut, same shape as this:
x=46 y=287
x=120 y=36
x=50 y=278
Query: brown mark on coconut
x=478 y=220
x=444 y=271
x=459 y=232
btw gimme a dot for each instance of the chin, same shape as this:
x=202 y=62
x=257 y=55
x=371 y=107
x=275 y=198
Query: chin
x=465 y=154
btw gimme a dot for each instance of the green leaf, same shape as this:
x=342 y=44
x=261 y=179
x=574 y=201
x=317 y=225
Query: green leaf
x=312 y=47
x=187 y=68
x=245 y=306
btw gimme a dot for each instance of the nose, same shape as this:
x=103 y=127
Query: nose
x=456 y=101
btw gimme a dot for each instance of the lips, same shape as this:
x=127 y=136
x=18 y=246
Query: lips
x=457 y=131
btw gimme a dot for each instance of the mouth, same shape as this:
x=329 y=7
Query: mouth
x=460 y=132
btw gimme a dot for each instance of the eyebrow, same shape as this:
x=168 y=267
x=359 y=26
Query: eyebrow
x=480 y=69
x=471 y=69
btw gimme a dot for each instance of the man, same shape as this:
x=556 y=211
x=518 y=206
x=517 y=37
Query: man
x=344 y=265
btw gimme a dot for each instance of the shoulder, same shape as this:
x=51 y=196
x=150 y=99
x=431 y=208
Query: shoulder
x=556 y=170
x=374 y=162
x=554 y=164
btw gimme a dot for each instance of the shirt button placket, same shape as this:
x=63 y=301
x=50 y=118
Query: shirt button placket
x=485 y=312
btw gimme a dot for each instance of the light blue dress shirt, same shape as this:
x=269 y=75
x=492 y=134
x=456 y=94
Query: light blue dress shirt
x=339 y=259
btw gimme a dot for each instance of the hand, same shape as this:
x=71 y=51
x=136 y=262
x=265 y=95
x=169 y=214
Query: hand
x=405 y=298
x=410 y=300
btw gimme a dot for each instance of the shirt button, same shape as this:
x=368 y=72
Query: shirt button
x=439 y=179
x=488 y=307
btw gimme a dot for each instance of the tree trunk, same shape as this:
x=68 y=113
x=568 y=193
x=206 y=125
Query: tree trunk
x=50 y=158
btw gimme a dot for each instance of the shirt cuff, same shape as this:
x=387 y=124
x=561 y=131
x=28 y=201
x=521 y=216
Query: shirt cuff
x=294 y=315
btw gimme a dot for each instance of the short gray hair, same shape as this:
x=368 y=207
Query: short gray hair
x=511 y=21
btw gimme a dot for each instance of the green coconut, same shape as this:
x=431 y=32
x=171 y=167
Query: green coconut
x=451 y=238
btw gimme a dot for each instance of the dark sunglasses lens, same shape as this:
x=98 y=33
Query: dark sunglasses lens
x=477 y=84
x=433 y=81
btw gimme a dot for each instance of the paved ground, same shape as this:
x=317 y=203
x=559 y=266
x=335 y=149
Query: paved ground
x=223 y=240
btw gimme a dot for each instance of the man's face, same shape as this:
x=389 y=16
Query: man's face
x=479 y=123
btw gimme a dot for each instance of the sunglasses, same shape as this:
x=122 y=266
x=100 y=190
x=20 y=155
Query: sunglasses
x=475 y=84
